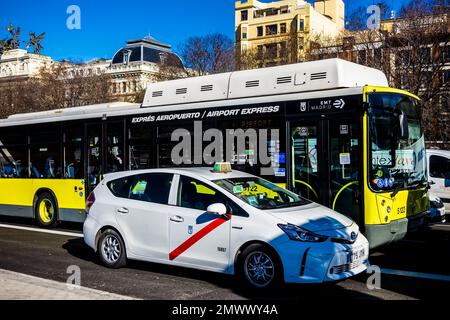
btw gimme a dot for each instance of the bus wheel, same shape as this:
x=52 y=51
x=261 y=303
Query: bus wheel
x=46 y=212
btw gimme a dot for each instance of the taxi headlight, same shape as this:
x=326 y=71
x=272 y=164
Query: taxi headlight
x=299 y=234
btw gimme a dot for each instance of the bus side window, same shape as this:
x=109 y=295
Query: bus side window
x=14 y=162
x=73 y=151
x=2 y=166
x=45 y=162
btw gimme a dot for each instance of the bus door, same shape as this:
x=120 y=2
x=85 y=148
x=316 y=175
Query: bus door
x=105 y=150
x=325 y=160
x=345 y=149
x=305 y=148
x=95 y=153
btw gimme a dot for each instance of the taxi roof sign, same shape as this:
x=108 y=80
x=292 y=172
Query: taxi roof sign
x=222 y=167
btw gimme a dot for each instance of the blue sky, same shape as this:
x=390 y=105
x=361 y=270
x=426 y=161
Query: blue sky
x=106 y=24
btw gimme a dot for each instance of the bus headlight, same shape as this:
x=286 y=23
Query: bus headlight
x=299 y=234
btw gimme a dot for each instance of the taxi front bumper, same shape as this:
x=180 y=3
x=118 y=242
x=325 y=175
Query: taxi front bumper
x=324 y=262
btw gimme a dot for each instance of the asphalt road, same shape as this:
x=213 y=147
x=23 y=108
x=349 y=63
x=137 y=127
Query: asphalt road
x=416 y=268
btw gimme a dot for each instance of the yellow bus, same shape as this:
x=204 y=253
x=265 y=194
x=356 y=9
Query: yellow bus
x=333 y=131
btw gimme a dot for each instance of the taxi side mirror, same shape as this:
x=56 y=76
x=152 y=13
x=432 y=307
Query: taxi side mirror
x=218 y=209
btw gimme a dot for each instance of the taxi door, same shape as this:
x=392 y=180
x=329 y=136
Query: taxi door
x=197 y=237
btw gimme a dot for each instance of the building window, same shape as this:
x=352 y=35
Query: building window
x=271 y=12
x=283 y=50
x=426 y=55
x=126 y=56
x=271 y=29
x=258 y=13
x=301 y=44
x=302 y=25
x=260 y=31
x=377 y=56
x=283 y=28
x=404 y=57
x=244 y=33
x=404 y=80
x=284 y=9
x=446 y=54
x=244 y=15
x=271 y=51
x=446 y=77
x=260 y=53
x=362 y=57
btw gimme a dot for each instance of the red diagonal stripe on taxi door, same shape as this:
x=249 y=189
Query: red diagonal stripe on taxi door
x=197 y=237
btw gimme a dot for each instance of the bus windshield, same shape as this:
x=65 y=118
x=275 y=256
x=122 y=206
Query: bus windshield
x=397 y=162
x=261 y=194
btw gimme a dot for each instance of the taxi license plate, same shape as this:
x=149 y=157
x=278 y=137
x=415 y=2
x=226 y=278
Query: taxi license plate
x=356 y=256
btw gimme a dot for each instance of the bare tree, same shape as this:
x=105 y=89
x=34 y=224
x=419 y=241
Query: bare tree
x=171 y=69
x=209 y=54
x=60 y=86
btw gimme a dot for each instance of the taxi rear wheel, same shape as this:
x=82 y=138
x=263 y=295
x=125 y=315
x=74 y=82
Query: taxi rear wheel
x=46 y=211
x=111 y=249
x=259 y=267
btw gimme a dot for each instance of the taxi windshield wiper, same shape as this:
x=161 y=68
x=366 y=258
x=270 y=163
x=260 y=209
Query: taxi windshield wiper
x=418 y=183
x=291 y=204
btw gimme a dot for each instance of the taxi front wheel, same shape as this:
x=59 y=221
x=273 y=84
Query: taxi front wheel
x=259 y=267
x=111 y=249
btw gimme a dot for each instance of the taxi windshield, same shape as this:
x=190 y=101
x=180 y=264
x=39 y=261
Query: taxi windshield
x=260 y=193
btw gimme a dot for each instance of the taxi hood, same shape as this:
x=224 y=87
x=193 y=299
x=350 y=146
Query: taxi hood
x=312 y=217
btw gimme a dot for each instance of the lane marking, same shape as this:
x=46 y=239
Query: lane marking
x=197 y=237
x=413 y=274
x=61 y=233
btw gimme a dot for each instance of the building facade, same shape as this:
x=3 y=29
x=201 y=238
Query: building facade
x=136 y=64
x=19 y=65
x=281 y=31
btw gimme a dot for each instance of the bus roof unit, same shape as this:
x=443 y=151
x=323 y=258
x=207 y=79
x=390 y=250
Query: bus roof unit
x=295 y=78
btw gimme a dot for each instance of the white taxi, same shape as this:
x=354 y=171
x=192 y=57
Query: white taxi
x=222 y=221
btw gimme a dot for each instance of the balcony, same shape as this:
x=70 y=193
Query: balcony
x=270 y=12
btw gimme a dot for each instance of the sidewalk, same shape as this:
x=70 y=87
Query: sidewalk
x=17 y=286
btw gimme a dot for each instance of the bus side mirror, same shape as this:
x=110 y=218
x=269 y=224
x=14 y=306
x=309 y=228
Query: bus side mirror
x=404 y=127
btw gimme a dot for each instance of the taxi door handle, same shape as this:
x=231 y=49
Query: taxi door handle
x=177 y=219
x=123 y=210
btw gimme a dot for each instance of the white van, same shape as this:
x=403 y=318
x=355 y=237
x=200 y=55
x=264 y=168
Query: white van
x=439 y=175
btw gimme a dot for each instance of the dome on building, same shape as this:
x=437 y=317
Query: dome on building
x=147 y=50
